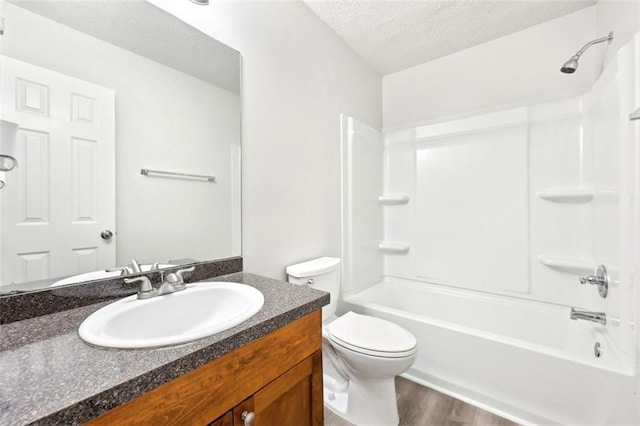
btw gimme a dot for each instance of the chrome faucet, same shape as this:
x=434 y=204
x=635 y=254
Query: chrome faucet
x=174 y=281
x=599 y=317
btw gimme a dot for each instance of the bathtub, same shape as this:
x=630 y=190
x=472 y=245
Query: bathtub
x=523 y=360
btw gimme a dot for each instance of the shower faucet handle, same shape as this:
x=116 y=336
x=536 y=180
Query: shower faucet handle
x=600 y=279
x=590 y=279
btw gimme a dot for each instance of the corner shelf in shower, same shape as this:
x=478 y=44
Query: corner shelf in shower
x=391 y=248
x=570 y=264
x=576 y=195
x=392 y=200
x=567 y=195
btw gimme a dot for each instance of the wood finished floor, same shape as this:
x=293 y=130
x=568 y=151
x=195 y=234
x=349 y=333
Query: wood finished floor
x=421 y=406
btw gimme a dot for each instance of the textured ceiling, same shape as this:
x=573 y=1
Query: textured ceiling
x=144 y=29
x=392 y=35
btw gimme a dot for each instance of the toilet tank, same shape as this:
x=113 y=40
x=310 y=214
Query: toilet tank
x=322 y=274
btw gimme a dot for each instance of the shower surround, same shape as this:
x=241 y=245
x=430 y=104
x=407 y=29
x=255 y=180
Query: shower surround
x=475 y=232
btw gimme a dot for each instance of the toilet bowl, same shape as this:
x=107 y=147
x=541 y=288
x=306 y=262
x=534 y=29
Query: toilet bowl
x=372 y=351
x=361 y=354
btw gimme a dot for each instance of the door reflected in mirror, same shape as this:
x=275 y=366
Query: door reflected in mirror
x=124 y=123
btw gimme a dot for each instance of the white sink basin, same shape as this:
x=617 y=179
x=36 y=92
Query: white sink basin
x=199 y=311
x=98 y=275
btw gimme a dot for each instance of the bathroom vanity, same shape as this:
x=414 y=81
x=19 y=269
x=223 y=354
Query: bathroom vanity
x=276 y=380
x=257 y=370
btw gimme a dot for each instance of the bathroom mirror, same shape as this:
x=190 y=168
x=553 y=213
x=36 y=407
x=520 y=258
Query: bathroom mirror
x=125 y=126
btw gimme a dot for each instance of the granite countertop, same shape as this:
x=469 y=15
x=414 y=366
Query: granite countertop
x=48 y=375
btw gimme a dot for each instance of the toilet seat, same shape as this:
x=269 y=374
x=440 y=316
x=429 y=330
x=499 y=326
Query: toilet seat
x=372 y=336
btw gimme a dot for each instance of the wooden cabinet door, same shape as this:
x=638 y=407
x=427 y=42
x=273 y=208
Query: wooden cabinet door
x=295 y=398
x=225 y=420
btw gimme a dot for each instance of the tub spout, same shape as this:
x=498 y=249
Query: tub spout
x=599 y=317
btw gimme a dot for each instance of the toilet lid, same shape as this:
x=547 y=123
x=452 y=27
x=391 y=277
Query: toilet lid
x=372 y=336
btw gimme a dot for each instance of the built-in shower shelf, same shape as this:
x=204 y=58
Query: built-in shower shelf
x=392 y=200
x=391 y=248
x=576 y=195
x=567 y=195
x=575 y=265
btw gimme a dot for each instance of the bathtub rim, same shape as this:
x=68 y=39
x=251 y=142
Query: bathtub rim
x=626 y=369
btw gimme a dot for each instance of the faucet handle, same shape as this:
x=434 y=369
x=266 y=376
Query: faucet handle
x=600 y=280
x=591 y=279
x=123 y=270
x=171 y=283
x=180 y=273
x=146 y=290
x=172 y=278
x=135 y=266
x=176 y=279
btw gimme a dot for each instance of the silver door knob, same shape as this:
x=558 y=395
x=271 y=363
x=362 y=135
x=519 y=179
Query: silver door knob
x=106 y=234
x=248 y=417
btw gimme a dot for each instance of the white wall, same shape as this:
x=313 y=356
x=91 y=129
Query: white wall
x=519 y=68
x=298 y=76
x=165 y=120
x=620 y=16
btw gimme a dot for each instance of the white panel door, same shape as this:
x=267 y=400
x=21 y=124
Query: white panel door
x=62 y=194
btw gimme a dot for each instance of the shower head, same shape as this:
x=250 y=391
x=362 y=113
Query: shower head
x=571 y=65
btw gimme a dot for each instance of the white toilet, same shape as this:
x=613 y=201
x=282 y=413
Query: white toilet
x=361 y=354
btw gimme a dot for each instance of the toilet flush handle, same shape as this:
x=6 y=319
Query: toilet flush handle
x=310 y=282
